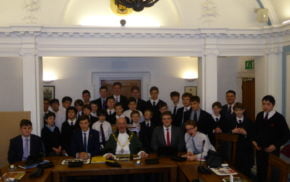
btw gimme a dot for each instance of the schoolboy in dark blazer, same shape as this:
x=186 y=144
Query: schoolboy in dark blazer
x=25 y=145
x=50 y=136
x=70 y=126
x=154 y=104
x=271 y=132
x=85 y=142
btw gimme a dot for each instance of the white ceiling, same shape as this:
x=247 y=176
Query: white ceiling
x=165 y=13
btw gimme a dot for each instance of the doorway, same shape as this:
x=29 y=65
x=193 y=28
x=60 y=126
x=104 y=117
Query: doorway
x=248 y=93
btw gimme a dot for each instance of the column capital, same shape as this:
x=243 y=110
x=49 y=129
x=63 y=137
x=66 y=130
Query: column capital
x=273 y=50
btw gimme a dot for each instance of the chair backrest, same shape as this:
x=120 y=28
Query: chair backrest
x=227 y=140
x=277 y=169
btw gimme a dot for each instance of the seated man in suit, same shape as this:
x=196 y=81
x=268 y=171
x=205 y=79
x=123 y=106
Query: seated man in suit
x=197 y=144
x=85 y=142
x=183 y=113
x=154 y=104
x=101 y=101
x=135 y=93
x=117 y=90
x=123 y=142
x=24 y=145
x=167 y=135
x=204 y=120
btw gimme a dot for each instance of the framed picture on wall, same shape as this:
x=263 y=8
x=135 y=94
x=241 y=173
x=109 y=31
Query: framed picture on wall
x=190 y=89
x=48 y=92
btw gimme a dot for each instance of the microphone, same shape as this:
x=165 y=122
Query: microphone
x=201 y=169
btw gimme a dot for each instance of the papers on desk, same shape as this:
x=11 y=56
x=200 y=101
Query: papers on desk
x=224 y=171
x=236 y=179
x=66 y=161
x=17 y=175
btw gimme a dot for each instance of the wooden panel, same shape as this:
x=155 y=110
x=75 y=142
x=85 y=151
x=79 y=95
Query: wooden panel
x=9 y=129
x=248 y=88
x=126 y=85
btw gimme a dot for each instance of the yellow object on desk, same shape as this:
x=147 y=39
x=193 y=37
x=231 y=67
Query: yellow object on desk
x=98 y=160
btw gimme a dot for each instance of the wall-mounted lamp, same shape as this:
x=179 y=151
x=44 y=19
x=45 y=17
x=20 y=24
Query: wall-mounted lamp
x=49 y=76
x=286 y=22
x=190 y=76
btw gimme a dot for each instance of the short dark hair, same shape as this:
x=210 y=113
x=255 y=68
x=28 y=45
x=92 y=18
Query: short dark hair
x=71 y=109
x=216 y=104
x=174 y=94
x=103 y=87
x=49 y=114
x=131 y=99
x=86 y=92
x=166 y=113
x=135 y=88
x=66 y=98
x=102 y=113
x=117 y=83
x=134 y=112
x=154 y=88
x=84 y=117
x=119 y=105
x=195 y=99
x=270 y=99
x=93 y=102
x=46 y=99
x=54 y=101
x=190 y=122
x=162 y=105
x=148 y=110
x=231 y=92
x=239 y=105
x=25 y=122
x=78 y=102
x=110 y=98
x=186 y=95
x=87 y=107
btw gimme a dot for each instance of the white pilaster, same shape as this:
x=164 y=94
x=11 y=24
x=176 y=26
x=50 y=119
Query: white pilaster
x=32 y=78
x=209 y=79
x=273 y=66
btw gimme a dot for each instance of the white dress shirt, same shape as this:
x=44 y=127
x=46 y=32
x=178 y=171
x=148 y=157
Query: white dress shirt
x=26 y=145
x=70 y=122
x=156 y=101
x=110 y=110
x=117 y=98
x=270 y=114
x=171 y=107
x=123 y=140
x=107 y=129
x=216 y=117
x=198 y=141
x=165 y=133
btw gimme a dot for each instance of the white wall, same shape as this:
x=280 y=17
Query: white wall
x=228 y=72
x=288 y=90
x=11 y=98
x=74 y=74
x=260 y=80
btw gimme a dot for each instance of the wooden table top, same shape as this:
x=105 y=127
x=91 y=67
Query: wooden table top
x=188 y=168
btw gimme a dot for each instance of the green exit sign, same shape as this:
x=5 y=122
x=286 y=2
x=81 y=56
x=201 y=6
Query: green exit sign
x=249 y=64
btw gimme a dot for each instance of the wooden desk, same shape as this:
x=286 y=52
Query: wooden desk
x=188 y=171
x=166 y=167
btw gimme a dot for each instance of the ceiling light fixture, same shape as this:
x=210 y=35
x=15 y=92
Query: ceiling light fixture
x=136 y=5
